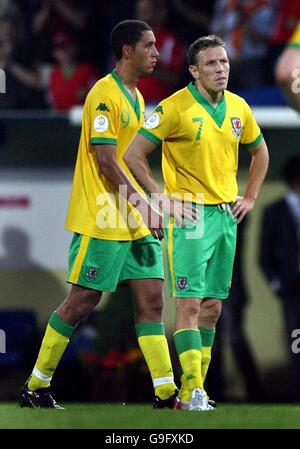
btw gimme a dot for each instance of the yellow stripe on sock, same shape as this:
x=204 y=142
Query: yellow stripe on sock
x=170 y=254
x=76 y=269
x=185 y=329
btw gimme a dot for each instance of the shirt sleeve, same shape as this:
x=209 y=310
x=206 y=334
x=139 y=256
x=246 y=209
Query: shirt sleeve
x=251 y=134
x=101 y=112
x=162 y=123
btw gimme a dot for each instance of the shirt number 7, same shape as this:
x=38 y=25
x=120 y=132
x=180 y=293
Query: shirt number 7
x=200 y=120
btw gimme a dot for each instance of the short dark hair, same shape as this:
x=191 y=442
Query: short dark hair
x=127 y=32
x=291 y=171
x=201 y=44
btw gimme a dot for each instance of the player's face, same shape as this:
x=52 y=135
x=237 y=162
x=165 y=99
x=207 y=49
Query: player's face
x=145 y=54
x=212 y=69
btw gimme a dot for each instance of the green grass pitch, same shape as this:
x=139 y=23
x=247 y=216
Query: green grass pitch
x=133 y=416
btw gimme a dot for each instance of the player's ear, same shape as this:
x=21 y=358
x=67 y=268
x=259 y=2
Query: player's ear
x=193 y=71
x=127 y=51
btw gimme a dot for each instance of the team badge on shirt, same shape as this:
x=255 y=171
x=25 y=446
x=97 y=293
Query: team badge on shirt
x=91 y=274
x=153 y=121
x=182 y=283
x=101 y=123
x=236 y=126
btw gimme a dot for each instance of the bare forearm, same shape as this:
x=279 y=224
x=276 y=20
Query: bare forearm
x=257 y=172
x=123 y=186
x=142 y=174
x=121 y=182
x=136 y=160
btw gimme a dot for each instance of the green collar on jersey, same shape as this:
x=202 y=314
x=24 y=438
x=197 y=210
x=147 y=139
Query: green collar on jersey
x=134 y=104
x=217 y=114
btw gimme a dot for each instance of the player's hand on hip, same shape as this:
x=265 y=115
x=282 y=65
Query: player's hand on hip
x=241 y=207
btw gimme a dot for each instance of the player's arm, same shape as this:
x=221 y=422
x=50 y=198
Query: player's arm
x=136 y=160
x=107 y=160
x=257 y=172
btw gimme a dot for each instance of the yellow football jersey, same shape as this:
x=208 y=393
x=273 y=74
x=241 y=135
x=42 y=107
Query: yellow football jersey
x=200 y=143
x=295 y=39
x=110 y=116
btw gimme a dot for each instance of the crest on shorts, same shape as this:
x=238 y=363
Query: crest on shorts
x=236 y=126
x=182 y=283
x=91 y=274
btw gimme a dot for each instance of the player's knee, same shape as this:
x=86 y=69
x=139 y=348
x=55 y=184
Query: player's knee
x=189 y=307
x=211 y=311
x=216 y=310
x=155 y=303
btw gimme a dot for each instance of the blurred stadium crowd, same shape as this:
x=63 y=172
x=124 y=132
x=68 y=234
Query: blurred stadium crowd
x=52 y=51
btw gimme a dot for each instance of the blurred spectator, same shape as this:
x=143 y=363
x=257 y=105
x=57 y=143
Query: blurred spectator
x=246 y=26
x=48 y=17
x=165 y=79
x=192 y=18
x=287 y=70
x=280 y=260
x=22 y=83
x=287 y=17
x=70 y=80
x=286 y=20
x=61 y=15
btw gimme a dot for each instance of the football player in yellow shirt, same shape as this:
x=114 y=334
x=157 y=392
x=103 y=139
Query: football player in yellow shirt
x=109 y=244
x=287 y=71
x=200 y=128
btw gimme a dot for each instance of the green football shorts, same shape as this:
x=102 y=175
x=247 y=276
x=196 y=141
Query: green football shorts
x=102 y=264
x=201 y=256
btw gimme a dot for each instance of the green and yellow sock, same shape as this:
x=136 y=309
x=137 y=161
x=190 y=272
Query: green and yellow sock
x=154 y=346
x=188 y=346
x=207 y=336
x=53 y=346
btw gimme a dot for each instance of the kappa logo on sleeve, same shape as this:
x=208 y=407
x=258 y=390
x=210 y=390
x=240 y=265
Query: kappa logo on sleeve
x=102 y=107
x=159 y=109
